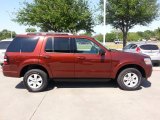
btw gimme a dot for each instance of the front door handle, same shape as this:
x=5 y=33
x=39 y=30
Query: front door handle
x=81 y=58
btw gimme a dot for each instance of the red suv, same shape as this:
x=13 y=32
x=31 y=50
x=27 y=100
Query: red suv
x=40 y=57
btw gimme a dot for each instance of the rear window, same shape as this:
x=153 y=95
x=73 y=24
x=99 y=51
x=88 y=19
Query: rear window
x=149 y=47
x=4 y=44
x=61 y=45
x=23 y=44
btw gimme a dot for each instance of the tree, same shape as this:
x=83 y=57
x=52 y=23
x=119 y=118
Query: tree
x=133 y=36
x=148 y=34
x=4 y=34
x=31 y=30
x=124 y=14
x=99 y=37
x=57 y=15
x=111 y=36
x=157 y=33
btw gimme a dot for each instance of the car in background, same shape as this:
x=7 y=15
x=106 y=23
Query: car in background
x=118 y=41
x=3 y=46
x=149 y=49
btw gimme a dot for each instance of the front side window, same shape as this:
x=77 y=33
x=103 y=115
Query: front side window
x=85 y=46
x=57 y=44
x=134 y=46
x=128 y=47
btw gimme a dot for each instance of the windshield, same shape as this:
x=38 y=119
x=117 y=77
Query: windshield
x=4 y=44
x=99 y=42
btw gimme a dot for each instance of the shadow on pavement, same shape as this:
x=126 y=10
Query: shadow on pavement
x=146 y=83
x=20 y=85
x=109 y=84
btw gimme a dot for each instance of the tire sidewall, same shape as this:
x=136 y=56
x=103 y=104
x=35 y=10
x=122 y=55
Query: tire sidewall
x=44 y=80
x=121 y=77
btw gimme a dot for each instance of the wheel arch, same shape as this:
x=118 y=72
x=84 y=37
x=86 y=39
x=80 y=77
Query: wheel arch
x=33 y=66
x=138 y=67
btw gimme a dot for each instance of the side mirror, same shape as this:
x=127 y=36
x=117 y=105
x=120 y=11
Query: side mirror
x=101 y=52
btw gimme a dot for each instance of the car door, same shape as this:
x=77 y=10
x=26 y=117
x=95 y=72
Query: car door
x=88 y=62
x=57 y=55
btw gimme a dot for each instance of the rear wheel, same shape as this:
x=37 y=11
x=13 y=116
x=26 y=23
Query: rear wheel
x=35 y=80
x=129 y=79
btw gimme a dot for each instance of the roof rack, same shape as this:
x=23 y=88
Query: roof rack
x=48 y=33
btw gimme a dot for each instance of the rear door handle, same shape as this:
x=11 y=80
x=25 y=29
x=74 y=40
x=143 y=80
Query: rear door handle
x=81 y=58
x=46 y=56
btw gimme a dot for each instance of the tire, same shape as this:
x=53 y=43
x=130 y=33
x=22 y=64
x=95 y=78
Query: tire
x=129 y=79
x=35 y=80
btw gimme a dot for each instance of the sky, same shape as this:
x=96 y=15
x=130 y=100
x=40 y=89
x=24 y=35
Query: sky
x=7 y=7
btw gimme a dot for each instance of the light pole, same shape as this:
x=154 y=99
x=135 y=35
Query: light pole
x=104 y=21
x=10 y=18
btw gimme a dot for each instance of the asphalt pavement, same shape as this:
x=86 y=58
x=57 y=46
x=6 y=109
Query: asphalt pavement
x=80 y=101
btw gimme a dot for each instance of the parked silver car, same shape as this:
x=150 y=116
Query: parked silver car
x=3 y=46
x=149 y=49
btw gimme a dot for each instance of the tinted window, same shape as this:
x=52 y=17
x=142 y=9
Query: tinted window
x=128 y=46
x=134 y=46
x=58 y=45
x=23 y=44
x=4 y=44
x=14 y=46
x=86 y=46
x=149 y=47
x=49 y=45
x=28 y=44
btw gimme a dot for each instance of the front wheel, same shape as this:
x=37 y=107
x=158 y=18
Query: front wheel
x=35 y=80
x=129 y=79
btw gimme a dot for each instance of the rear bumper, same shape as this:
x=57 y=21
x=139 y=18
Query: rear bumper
x=6 y=72
x=155 y=58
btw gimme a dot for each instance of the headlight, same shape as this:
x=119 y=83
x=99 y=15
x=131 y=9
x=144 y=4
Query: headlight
x=147 y=61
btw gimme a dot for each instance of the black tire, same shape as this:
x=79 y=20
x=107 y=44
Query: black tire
x=43 y=82
x=122 y=82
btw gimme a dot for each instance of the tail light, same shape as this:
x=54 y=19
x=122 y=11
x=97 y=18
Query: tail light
x=5 y=60
x=138 y=50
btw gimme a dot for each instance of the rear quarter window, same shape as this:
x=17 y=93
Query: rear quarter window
x=23 y=44
x=149 y=47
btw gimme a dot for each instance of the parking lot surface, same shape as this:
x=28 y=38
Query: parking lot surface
x=80 y=101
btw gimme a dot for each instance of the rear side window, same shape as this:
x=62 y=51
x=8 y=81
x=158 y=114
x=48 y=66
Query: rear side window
x=61 y=45
x=149 y=47
x=4 y=44
x=23 y=44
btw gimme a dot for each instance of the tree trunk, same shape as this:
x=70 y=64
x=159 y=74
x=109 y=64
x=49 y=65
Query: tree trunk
x=124 y=38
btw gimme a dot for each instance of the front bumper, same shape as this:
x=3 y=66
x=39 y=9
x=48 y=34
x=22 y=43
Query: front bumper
x=148 y=71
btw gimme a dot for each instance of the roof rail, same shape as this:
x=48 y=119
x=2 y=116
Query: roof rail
x=48 y=33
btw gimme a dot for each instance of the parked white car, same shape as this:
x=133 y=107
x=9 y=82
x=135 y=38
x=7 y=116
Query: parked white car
x=118 y=41
x=149 y=49
x=3 y=46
